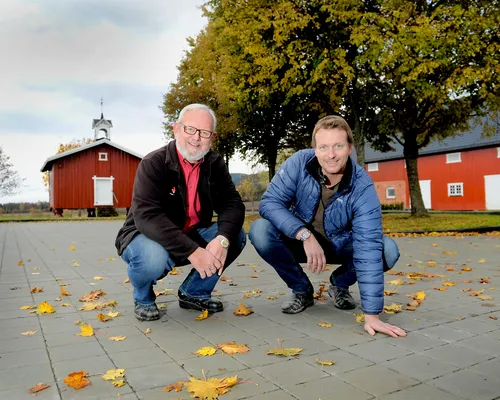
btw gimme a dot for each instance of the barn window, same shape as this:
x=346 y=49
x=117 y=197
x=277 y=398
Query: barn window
x=103 y=156
x=453 y=158
x=455 y=189
x=372 y=167
x=498 y=152
x=390 y=193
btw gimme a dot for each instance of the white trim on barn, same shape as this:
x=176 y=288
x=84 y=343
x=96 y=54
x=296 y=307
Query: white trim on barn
x=455 y=189
x=453 y=158
x=103 y=191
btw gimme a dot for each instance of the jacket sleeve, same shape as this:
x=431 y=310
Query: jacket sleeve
x=367 y=249
x=227 y=204
x=149 y=198
x=280 y=195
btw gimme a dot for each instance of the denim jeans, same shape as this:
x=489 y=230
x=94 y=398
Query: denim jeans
x=148 y=261
x=285 y=254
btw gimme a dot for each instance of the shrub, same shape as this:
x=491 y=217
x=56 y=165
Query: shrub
x=393 y=206
x=107 y=212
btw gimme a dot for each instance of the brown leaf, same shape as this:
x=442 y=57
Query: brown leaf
x=393 y=308
x=77 y=380
x=492 y=317
x=36 y=289
x=410 y=308
x=45 y=308
x=38 y=388
x=64 y=292
x=92 y=296
x=413 y=303
x=484 y=297
x=117 y=338
x=242 y=310
x=467 y=269
x=449 y=252
x=325 y=362
x=233 y=348
x=466 y=289
x=225 y=279
x=175 y=271
x=476 y=292
x=484 y=280
x=449 y=284
x=442 y=289
x=254 y=276
x=174 y=386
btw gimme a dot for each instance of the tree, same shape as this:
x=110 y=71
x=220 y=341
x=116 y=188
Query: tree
x=10 y=181
x=253 y=187
x=74 y=144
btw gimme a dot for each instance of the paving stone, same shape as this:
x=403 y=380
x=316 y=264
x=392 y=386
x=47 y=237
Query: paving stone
x=270 y=334
x=443 y=332
x=24 y=358
x=26 y=376
x=486 y=345
x=140 y=357
x=455 y=355
x=415 y=341
x=419 y=392
x=70 y=352
x=472 y=325
x=274 y=395
x=133 y=342
x=153 y=376
x=329 y=388
x=377 y=351
x=22 y=343
x=213 y=365
x=489 y=368
x=257 y=356
x=50 y=393
x=257 y=385
x=469 y=385
x=419 y=367
x=377 y=380
x=343 y=360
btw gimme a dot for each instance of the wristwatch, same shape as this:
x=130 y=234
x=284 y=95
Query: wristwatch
x=306 y=234
x=223 y=242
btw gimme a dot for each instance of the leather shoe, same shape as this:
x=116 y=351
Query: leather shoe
x=298 y=303
x=193 y=303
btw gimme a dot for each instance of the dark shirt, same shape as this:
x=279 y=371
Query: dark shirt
x=326 y=194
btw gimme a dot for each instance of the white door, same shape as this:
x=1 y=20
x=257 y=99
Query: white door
x=103 y=191
x=492 y=191
x=425 y=188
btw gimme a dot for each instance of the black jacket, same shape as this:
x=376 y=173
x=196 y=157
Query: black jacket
x=159 y=207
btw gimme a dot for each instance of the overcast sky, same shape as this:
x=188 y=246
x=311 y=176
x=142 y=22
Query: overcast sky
x=60 y=57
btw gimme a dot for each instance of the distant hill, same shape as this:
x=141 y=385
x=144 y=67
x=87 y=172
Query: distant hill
x=237 y=177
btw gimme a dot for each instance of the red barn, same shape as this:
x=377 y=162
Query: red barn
x=98 y=174
x=459 y=173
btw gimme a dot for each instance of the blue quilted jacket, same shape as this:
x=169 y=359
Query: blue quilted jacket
x=353 y=214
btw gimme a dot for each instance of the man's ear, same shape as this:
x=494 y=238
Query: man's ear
x=175 y=129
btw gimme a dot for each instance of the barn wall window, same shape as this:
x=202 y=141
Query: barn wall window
x=103 y=156
x=390 y=193
x=453 y=158
x=498 y=152
x=372 y=167
x=455 y=189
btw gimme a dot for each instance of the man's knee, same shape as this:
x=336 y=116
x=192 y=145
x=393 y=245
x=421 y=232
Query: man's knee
x=260 y=233
x=391 y=253
x=148 y=256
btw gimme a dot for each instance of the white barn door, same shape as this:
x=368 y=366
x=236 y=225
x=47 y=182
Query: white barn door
x=425 y=188
x=492 y=191
x=103 y=191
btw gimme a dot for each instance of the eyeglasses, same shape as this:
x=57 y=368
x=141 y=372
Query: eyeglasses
x=191 y=130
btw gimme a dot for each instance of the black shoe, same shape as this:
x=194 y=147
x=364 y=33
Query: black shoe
x=298 y=303
x=341 y=298
x=192 y=303
x=146 y=313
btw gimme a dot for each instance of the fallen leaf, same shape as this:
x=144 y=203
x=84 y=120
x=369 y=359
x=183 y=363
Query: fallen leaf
x=484 y=297
x=38 y=388
x=242 y=310
x=206 y=351
x=45 y=308
x=450 y=269
x=325 y=362
x=271 y=297
x=174 y=271
x=419 y=296
x=64 y=292
x=202 y=316
x=28 y=307
x=360 y=318
x=29 y=333
x=467 y=269
x=280 y=351
x=113 y=314
x=111 y=259
x=492 y=317
x=77 y=380
x=75 y=264
x=86 y=330
x=484 y=280
x=254 y=276
x=117 y=338
x=396 y=282
x=325 y=324
x=147 y=331
x=389 y=292
x=225 y=279
x=64 y=284
x=233 y=348
x=126 y=280
x=476 y=292
x=72 y=248
x=466 y=289
x=442 y=289
x=174 y=386
x=410 y=308
x=119 y=383
x=103 y=318
x=20 y=263
x=449 y=284
x=393 y=308
x=210 y=389
x=114 y=374
x=58 y=299
x=449 y=252
x=36 y=289
x=467 y=281
x=482 y=260
x=66 y=305
x=98 y=278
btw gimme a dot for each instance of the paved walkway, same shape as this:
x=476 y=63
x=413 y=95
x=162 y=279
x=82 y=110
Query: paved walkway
x=452 y=350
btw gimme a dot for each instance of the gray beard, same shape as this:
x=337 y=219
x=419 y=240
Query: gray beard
x=188 y=157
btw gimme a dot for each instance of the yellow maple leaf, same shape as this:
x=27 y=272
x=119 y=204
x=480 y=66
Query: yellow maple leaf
x=360 y=318
x=29 y=333
x=325 y=324
x=72 y=248
x=45 y=308
x=174 y=386
x=103 y=318
x=393 y=308
x=233 y=348
x=210 y=389
x=482 y=260
x=119 y=383
x=114 y=374
x=396 y=282
x=280 y=351
x=242 y=310
x=64 y=292
x=449 y=284
x=419 y=296
x=20 y=263
x=325 y=362
x=147 y=331
x=117 y=338
x=86 y=330
x=77 y=380
x=98 y=278
x=202 y=316
x=174 y=271
x=113 y=314
x=467 y=269
x=206 y=351
x=126 y=280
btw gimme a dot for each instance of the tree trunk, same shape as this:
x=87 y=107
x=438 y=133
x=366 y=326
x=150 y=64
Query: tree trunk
x=411 y=157
x=359 y=143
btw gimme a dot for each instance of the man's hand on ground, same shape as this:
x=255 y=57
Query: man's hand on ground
x=204 y=262
x=316 y=259
x=219 y=252
x=374 y=324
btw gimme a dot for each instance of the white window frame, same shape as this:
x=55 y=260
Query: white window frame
x=452 y=189
x=451 y=160
x=387 y=193
x=498 y=152
x=372 y=167
x=107 y=178
x=103 y=157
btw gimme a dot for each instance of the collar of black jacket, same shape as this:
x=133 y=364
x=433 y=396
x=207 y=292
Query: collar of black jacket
x=314 y=169
x=172 y=159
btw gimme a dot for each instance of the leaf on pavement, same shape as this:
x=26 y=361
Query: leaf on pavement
x=117 y=338
x=242 y=310
x=419 y=296
x=103 y=318
x=396 y=282
x=210 y=389
x=325 y=362
x=476 y=292
x=466 y=289
x=389 y=292
x=98 y=278
x=75 y=264
x=280 y=351
x=449 y=252
x=393 y=308
x=147 y=331
x=202 y=316
x=45 y=308
x=119 y=383
x=492 y=317
x=77 y=380
x=92 y=296
x=450 y=269
x=233 y=348
x=467 y=269
x=482 y=260
x=72 y=248
x=38 y=388
x=206 y=351
x=113 y=314
x=28 y=307
x=174 y=271
x=440 y=288
x=20 y=263
x=324 y=324
x=114 y=374
x=29 y=333
x=484 y=297
x=174 y=386
x=484 y=280
x=86 y=330
x=64 y=292
x=271 y=297
x=126 y=280
x=225 y=279
x=360 y=318
x=36 y=289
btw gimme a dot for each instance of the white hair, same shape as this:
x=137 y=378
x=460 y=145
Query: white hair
x=196 y=106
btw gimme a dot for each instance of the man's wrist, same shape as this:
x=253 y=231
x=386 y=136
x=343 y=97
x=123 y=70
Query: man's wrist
x=303 y=234
x=224 y=242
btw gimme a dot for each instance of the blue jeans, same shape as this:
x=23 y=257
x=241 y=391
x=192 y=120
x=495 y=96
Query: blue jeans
x=285 y=254
x=148 y=261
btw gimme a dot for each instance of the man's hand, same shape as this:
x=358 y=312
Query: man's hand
x=316 y=259
x=219 y=252
x=204 y=262
x=374 y=324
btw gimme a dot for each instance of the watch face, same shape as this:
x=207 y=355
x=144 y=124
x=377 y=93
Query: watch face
x=305 y=235
x=224 y=243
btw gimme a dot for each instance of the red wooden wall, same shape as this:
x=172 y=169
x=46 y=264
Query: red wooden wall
x=72 y=186
x=470 y=171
